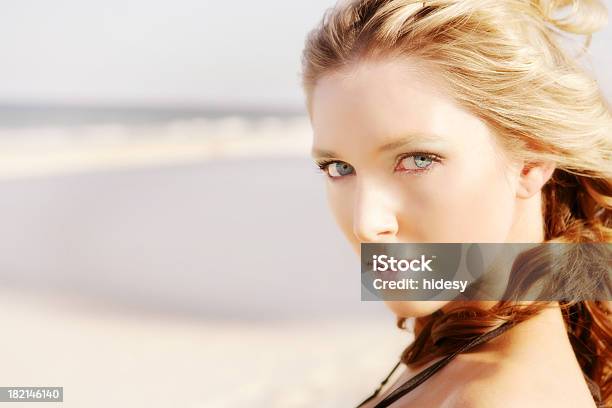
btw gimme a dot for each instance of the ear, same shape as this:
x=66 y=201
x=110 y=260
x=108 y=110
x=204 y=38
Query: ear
x=533 y=177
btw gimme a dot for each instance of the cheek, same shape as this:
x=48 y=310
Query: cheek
x=340 y=202
x=461 y=204
x=481 y=210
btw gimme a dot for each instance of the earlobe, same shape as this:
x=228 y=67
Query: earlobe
x=533 y=177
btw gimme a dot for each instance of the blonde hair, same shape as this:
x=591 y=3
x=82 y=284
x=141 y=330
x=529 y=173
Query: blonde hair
x=506 y=62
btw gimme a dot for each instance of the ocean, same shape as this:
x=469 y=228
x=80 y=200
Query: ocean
x=23 y=116
x=45 y=140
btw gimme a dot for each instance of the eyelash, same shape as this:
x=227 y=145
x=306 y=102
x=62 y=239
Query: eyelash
x=434 y=158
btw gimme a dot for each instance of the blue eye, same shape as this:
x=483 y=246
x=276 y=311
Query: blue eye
x=417 y=161
x=339 y=169
x=411 y=163
x=336 y=169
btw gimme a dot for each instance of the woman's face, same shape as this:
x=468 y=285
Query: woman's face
x=405 y=163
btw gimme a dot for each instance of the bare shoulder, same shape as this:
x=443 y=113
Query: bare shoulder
x=502 y=397
x=479 y=398
x=513 y=387
x=476 y=383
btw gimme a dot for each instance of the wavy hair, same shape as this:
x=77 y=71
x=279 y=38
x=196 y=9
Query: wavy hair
x=509 y=63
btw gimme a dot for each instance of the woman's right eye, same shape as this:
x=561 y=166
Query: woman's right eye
x=336 y=169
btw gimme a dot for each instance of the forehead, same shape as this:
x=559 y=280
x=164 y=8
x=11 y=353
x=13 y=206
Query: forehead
x=378 y=98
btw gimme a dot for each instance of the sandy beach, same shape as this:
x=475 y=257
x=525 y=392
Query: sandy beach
x=200 y=282
x=125 y=359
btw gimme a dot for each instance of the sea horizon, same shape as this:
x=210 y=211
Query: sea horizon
x=25 y=115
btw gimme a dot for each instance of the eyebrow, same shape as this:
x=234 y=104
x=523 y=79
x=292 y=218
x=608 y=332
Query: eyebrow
x=389 y=146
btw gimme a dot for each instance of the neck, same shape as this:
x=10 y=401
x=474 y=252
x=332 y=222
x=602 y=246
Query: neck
x=545 y=328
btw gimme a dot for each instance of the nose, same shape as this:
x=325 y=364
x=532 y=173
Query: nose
x=374 y=219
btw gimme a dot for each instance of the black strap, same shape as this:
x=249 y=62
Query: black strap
x=382 y=384
x=419 y=378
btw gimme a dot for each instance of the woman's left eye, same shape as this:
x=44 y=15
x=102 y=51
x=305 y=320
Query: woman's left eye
x=416 y=162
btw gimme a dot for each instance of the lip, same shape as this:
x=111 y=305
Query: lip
x=388 y=274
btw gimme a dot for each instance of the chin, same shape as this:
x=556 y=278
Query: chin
x=409 y=309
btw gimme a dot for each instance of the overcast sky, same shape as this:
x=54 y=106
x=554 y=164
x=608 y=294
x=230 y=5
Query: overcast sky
x=182 y=52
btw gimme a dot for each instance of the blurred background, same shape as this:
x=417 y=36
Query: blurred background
x=165 y=236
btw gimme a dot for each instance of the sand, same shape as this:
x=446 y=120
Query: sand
x=131 y=359
x=200 y=282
